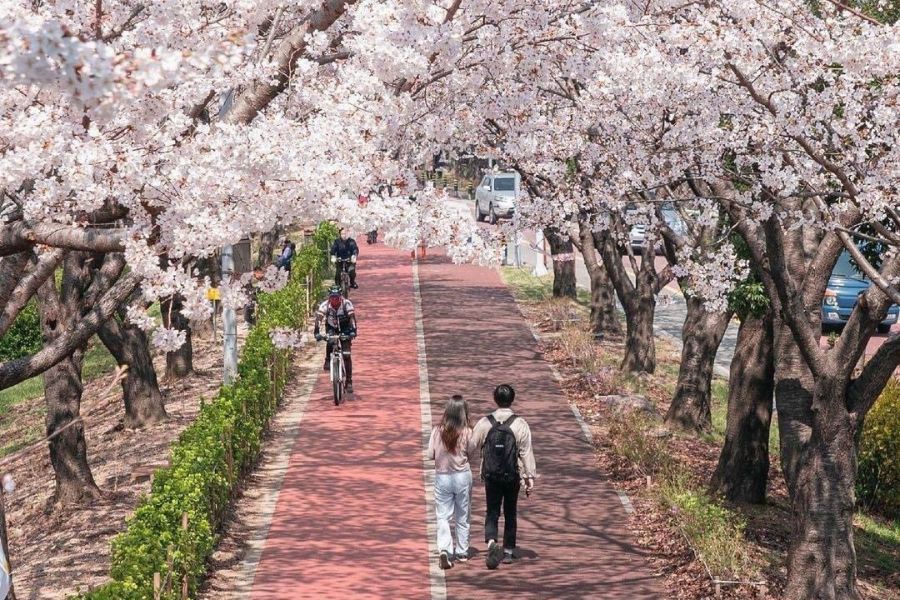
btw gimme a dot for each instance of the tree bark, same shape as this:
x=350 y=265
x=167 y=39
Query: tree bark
x=140 y=389
x=743 y=469
x=822 y=558
x=181 y=362
x=604 y=320
x=63 y=386
x=267 y=243
x=701 y=335
x=640 y=348
x=564 y=284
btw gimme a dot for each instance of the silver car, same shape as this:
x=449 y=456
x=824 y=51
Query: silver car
x=495 y=196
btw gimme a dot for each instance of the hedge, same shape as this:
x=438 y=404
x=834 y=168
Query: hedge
x=878 y=478
x=23 y=338
x=212 y=455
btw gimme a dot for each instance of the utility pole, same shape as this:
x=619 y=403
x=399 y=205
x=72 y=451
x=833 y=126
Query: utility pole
x=540 y=269
x=229 y=319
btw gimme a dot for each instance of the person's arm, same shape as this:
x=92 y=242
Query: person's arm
x=526 y=454
x=354 y=248
x=431 y=444
x=334 y=246
x=479 y=433
x=319 y=317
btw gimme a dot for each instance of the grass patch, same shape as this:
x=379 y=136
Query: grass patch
x=97 y=362
x=714 y=532
x=878 y=542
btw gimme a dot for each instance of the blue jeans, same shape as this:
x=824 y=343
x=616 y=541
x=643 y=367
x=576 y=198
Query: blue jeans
x=452 y=492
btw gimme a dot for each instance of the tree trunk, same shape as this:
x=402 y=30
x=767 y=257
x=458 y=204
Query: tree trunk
x=181 y=362
x=743 y=470
x=701 y=335
x=267 y=243
x=140 y=389
x=794 y=386
x=604 y=320
x=4 y=539
x=562 y=251
x=640 y=347
x=822 y=559
x=63 y=386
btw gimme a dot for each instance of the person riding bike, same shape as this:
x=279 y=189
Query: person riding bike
x=340 y=319
x=344 y=249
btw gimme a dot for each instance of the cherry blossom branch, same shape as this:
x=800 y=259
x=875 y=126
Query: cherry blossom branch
x=20 y=235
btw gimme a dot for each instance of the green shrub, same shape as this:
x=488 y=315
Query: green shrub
x=878 y=480
x=212 y=455
x=24 y=336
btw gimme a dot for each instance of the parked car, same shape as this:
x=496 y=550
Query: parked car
x=495 y=196
x=844 y=287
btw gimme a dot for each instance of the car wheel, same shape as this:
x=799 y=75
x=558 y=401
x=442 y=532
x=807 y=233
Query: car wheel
x=479 y=216
x=492 y=216
x=882 y=328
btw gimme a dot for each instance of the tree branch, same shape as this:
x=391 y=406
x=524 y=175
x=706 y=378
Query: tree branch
x=44 y=267
x=17 y=371
x=20 y=235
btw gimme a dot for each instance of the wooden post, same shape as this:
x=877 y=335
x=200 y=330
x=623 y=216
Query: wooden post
x=184 y=578
x=157 y=583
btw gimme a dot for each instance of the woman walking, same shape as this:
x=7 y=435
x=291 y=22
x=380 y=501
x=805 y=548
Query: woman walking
x=450 y=447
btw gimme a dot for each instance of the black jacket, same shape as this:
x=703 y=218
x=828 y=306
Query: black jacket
x=343 y=249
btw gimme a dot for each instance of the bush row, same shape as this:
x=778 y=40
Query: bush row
x=878 y=479
x=173 y=530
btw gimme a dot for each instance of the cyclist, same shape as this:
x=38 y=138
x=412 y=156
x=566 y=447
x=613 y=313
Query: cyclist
x=340 y=319
x=344 y=248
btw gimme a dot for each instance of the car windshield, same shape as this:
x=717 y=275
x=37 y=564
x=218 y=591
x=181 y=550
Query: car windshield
x=505 y=184
x=844 y=268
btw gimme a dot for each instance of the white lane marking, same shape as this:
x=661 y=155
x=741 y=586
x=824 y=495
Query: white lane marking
x=436 y=574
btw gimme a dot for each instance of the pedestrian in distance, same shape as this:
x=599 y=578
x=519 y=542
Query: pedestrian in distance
x=451 y=447
x=507 y=463
x=288 y=249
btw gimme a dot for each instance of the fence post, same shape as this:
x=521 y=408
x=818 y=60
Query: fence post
x=157 y=581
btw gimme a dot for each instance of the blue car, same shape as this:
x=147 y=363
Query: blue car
x=844 y=286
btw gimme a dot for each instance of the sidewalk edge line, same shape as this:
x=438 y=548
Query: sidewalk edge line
x=269 y=502
x=435 y=574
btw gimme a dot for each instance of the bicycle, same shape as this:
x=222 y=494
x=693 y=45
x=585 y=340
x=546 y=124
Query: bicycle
x=345 y=276
x=338 y=369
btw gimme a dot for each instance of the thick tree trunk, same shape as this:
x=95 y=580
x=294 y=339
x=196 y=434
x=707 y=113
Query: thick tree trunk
x=63 y=386
x=267 y=243
x=68 y=448
x=640 y=346
x=181 y=362
x=564 y=284
x=743 y=470
x=822 y=558
x=604 y=320
x=140 y=389
x=794 y=386
x=701 y=335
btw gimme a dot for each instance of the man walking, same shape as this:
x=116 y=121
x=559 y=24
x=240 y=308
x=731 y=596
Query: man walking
x=507 y=462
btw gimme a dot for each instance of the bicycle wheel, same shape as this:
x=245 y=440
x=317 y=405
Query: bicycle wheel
x=337 y=378
x=345 y=284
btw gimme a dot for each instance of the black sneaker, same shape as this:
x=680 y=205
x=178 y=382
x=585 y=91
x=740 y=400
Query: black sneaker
x=354 y=286
x=508 y=557
x=349 y=388
x=446 y=563
x=494 y=555
x=464 y=557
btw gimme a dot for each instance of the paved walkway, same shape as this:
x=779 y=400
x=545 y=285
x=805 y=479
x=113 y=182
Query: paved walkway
x=351 y=519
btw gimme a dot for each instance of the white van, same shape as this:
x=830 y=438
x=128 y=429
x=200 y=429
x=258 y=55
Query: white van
x=495 y=196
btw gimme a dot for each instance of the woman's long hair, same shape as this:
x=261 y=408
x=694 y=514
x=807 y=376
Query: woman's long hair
x=454 y=422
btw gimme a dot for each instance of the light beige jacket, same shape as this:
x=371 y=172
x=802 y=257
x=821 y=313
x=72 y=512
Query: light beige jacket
x=519 y=427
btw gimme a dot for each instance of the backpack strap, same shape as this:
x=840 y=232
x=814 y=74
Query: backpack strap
x=493 y=421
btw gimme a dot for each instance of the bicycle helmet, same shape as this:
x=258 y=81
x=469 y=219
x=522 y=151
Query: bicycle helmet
x=334 y=297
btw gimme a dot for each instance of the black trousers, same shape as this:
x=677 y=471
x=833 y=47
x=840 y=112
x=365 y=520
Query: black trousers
x=348 y=360
x=351 y=270
x=505 y=496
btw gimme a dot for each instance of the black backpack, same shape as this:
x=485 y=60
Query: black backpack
x=500 y=452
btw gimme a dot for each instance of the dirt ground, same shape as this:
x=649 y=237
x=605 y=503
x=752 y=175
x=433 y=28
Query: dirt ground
x=58 y=553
